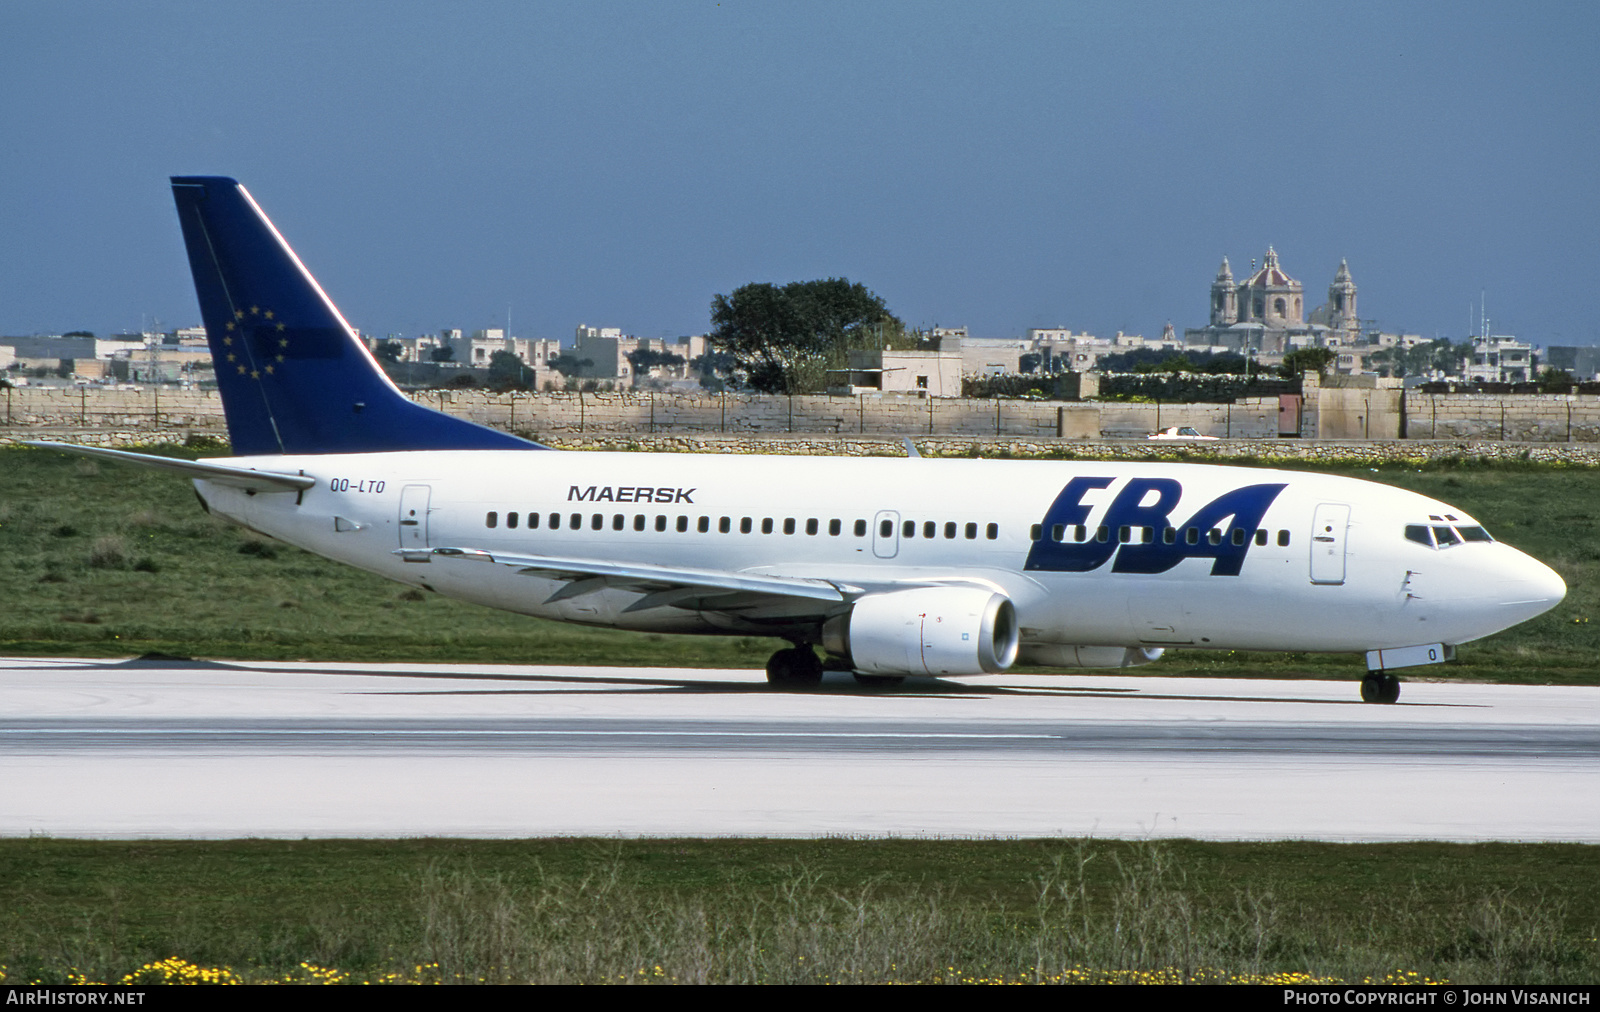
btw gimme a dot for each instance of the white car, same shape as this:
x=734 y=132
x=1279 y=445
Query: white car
x=1179 y=432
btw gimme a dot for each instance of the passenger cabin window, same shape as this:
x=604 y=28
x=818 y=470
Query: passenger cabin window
x=704 y=526
x=992 y=532
x=533 y=521
x=908 y=529
x=683 y=524
x=835 y=528
x=492 y=519
x=511 y=520
x=766 y=525
x=972 y=532
x=811 y=525
x=886 y=529
x=861 y=528
x=788 y=525
x=1283 y=539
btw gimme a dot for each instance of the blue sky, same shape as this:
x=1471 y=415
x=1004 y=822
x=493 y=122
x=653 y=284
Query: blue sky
x=996 y=165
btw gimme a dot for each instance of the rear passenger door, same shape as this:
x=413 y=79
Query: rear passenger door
x=414 y=516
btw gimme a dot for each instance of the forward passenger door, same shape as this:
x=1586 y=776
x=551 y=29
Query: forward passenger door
x=1330 y=527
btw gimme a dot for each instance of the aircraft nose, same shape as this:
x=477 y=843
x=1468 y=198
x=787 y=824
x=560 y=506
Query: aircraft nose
x=1529 y=586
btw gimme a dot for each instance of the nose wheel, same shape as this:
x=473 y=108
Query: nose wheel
x=1380 y=687
x=794 y=668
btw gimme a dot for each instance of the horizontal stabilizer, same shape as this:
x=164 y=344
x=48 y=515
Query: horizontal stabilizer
x=246 y=478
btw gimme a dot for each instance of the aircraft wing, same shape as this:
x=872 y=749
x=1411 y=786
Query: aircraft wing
x=663 y=586
x=246 y=478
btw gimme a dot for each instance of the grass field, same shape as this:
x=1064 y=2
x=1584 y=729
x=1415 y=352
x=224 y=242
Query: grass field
x=102 y=560
x=782 y=911
x=107 y=560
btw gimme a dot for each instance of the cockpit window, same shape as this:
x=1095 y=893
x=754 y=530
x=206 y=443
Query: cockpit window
x=1441 y=536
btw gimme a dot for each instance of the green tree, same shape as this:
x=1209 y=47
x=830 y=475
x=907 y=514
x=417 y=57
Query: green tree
x=645 y=359
x=1555 y=381
x=1303 y=360
x=507 y=371
x=569 y=365
x=784 y=340
x=1418 y=360
x=442 y=353
x=389 y=351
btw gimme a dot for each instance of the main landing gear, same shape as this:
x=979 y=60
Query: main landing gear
x=799 y=667
x=795 y=668
x=1380 y=687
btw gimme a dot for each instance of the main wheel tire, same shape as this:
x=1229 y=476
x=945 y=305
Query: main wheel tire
x=1391 y=690
x=794 y=668
x=1380 y=687
x=1371 y=687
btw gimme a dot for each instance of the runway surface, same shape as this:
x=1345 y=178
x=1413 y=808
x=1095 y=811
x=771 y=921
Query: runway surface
x=151 y=749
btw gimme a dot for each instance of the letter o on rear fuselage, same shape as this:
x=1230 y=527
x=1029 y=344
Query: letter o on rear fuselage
x=927 y=631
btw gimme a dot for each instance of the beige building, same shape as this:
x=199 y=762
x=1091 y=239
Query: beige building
x=1501 y=359
x=1266 y=312
x=608 y=351
x=926 y=373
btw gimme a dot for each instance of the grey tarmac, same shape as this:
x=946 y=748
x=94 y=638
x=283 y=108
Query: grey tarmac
x=171 y=749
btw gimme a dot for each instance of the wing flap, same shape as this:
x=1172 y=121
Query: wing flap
x=661 y=586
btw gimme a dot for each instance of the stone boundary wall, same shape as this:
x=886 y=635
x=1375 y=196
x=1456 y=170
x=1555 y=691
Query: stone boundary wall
x=1533 y=418
x=33 y=412
x=91 y=408
x=1409 y=451
x=547 y=414
x=1375 y=451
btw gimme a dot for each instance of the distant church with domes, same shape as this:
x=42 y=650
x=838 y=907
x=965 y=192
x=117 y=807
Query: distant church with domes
x=1267 y=312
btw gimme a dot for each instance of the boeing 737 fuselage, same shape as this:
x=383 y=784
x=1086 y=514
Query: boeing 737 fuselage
x=892 y=567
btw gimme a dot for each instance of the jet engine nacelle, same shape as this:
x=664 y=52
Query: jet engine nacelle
x=927 y=631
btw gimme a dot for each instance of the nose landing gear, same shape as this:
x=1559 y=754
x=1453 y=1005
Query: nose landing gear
x=1380 y=687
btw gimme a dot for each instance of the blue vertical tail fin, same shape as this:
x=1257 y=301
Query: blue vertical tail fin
x=293 y=375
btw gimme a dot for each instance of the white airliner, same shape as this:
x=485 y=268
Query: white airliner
x=892 y=567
